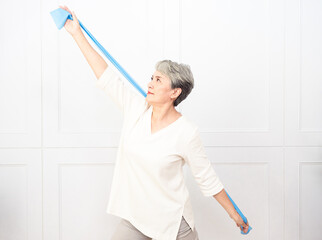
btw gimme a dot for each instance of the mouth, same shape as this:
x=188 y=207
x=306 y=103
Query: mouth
x=150 y=93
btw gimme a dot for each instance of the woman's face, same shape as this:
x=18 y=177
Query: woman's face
x=159 y=90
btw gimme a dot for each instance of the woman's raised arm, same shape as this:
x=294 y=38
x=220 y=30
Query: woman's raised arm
x=94 y=59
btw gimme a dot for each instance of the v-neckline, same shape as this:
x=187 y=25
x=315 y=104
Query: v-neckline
x=162 y=129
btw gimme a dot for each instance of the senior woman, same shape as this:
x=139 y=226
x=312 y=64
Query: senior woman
x=148 y=191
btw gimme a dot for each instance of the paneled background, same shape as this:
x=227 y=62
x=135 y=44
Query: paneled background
x=257 y=100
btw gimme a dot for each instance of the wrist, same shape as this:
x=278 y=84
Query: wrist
x=77 y=35
x=234 y=215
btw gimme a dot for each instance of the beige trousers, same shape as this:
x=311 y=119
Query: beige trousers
x=126 y=231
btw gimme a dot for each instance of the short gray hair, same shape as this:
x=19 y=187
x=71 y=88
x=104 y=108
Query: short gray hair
x=180 y=76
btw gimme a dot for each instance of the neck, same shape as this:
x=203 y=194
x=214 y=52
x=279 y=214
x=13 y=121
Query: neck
x=162 y=112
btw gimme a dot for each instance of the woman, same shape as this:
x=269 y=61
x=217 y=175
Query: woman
x=148 y=190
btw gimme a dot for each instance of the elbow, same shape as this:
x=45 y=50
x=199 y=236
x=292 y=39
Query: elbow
x=101 y=71
x=219 y=193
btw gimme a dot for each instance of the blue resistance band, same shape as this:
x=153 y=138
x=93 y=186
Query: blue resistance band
x=60 y=16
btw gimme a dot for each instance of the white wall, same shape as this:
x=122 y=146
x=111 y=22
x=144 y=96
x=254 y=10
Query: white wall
x=257 y=100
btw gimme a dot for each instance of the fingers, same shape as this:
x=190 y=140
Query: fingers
x=65 y=8
x=74 y=16
x=68 y=9
x=71 y=12
x=245 y=228
x=242 y=225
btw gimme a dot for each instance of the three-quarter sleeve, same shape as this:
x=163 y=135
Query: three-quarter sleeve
x=127 y=99
x=201 y=168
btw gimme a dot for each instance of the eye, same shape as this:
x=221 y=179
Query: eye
x=158 y=79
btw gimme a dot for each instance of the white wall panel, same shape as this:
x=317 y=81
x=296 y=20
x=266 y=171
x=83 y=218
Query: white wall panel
x=20 y=74
x=303 y=194
x=235 y=49
x=76 y=192
x=303 y=92
x=20 y=194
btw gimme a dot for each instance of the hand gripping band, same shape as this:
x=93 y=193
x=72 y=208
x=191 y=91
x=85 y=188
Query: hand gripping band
x=241 y=214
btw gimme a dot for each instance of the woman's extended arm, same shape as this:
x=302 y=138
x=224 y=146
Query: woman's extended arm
x=225 y=202
x=94 y=59
x=206 y=177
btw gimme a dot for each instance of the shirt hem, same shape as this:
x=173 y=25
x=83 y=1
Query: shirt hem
x=139 y=227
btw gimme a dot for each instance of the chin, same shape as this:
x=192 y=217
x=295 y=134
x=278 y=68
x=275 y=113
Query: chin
x=148 y=101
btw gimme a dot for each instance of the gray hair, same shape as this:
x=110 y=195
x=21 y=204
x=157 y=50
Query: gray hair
x=180 y=76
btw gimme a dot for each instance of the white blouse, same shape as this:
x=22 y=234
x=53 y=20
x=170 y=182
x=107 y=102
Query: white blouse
x=148 y=187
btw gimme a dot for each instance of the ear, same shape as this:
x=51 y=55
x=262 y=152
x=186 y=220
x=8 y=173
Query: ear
x=176 y=93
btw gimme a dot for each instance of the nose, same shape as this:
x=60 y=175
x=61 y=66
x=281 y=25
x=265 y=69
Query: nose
x=150 y=85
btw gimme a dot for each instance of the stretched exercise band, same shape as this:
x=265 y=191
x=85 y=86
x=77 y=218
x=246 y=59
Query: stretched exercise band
x=60 y=16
